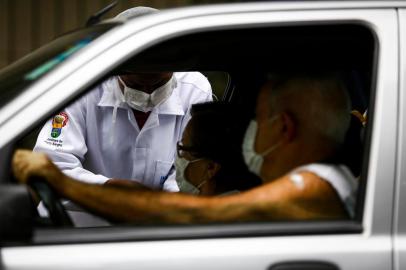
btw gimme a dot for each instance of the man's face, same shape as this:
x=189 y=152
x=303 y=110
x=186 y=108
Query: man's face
x=266 y=134
x=146 y=82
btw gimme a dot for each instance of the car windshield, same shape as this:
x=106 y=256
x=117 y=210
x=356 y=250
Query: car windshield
x=18 y=76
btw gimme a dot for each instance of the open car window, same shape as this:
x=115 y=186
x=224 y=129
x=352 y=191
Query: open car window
x=236 y=74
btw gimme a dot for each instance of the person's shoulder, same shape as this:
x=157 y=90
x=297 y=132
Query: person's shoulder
x=295 y=184
x=95 y=94
x=195 y=80
x=338 y=175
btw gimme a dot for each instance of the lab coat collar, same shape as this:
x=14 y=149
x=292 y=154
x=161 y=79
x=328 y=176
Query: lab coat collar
x=172 y=106
x=108 y=98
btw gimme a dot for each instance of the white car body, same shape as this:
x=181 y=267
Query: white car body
x=376 y=242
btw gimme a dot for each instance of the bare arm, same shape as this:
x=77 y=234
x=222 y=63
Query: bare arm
x=278 y=200
x=124 y=183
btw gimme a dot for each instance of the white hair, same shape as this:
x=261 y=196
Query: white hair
x=319 y=104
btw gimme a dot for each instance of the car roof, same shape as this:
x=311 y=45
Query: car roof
x=251 y=6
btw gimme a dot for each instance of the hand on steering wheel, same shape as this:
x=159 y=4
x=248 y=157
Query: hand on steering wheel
x=33 y=169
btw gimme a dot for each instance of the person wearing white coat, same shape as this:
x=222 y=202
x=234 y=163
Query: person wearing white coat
x=94 y=147
x=97 y=138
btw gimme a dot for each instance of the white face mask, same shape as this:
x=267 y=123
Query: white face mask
x=184 y=185
x=144 y=102
x=253 y=159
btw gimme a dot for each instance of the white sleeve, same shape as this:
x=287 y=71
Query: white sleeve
x=66 y=144
x=207 y=94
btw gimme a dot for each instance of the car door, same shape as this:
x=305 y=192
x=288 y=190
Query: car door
x=362 y=243
x=399 y=225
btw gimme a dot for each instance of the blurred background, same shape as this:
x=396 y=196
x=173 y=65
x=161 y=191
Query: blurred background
x=28 y=24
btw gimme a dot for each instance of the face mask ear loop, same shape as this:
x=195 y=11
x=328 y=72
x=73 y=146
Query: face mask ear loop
x=172 y=83
x=201 y=184
x=269 y=150
x=272 y=148
x=204 y=181
x=121 y=81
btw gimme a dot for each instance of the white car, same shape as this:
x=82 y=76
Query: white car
x=364 y=40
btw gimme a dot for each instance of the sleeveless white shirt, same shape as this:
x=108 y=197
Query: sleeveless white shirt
x=340 y=178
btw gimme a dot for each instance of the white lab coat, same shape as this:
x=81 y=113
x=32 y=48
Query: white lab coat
x=91 y=148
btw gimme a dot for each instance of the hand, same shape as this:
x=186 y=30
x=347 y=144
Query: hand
x=26 y=164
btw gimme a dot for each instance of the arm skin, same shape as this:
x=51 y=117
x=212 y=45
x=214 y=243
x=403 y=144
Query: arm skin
x=279 y=200
x=124 y=183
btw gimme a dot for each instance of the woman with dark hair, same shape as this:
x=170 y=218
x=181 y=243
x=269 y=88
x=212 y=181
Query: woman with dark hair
x=209 y=159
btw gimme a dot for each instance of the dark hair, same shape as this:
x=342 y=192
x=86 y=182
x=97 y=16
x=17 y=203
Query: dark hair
x=217 y=131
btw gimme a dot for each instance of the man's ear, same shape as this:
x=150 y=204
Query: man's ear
x=212 y=169
x=289 y=127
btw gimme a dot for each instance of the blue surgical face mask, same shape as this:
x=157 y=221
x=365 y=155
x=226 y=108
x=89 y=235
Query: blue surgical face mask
x=184 y=185
x=252 y=159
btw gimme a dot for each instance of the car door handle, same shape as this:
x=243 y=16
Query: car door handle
x=303 y=265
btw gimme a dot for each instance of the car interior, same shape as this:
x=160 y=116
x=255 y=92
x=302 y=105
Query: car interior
x=236 y=62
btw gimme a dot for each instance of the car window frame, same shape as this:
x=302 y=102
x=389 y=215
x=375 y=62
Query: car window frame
x=245 y=230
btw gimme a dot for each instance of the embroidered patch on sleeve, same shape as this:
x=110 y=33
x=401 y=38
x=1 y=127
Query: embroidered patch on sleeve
x=58 y=122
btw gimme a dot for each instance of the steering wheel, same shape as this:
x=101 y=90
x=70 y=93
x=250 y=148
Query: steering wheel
x=56 y=210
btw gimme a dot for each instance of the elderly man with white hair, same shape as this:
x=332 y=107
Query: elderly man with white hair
x=300 y=125
x=125 y=128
